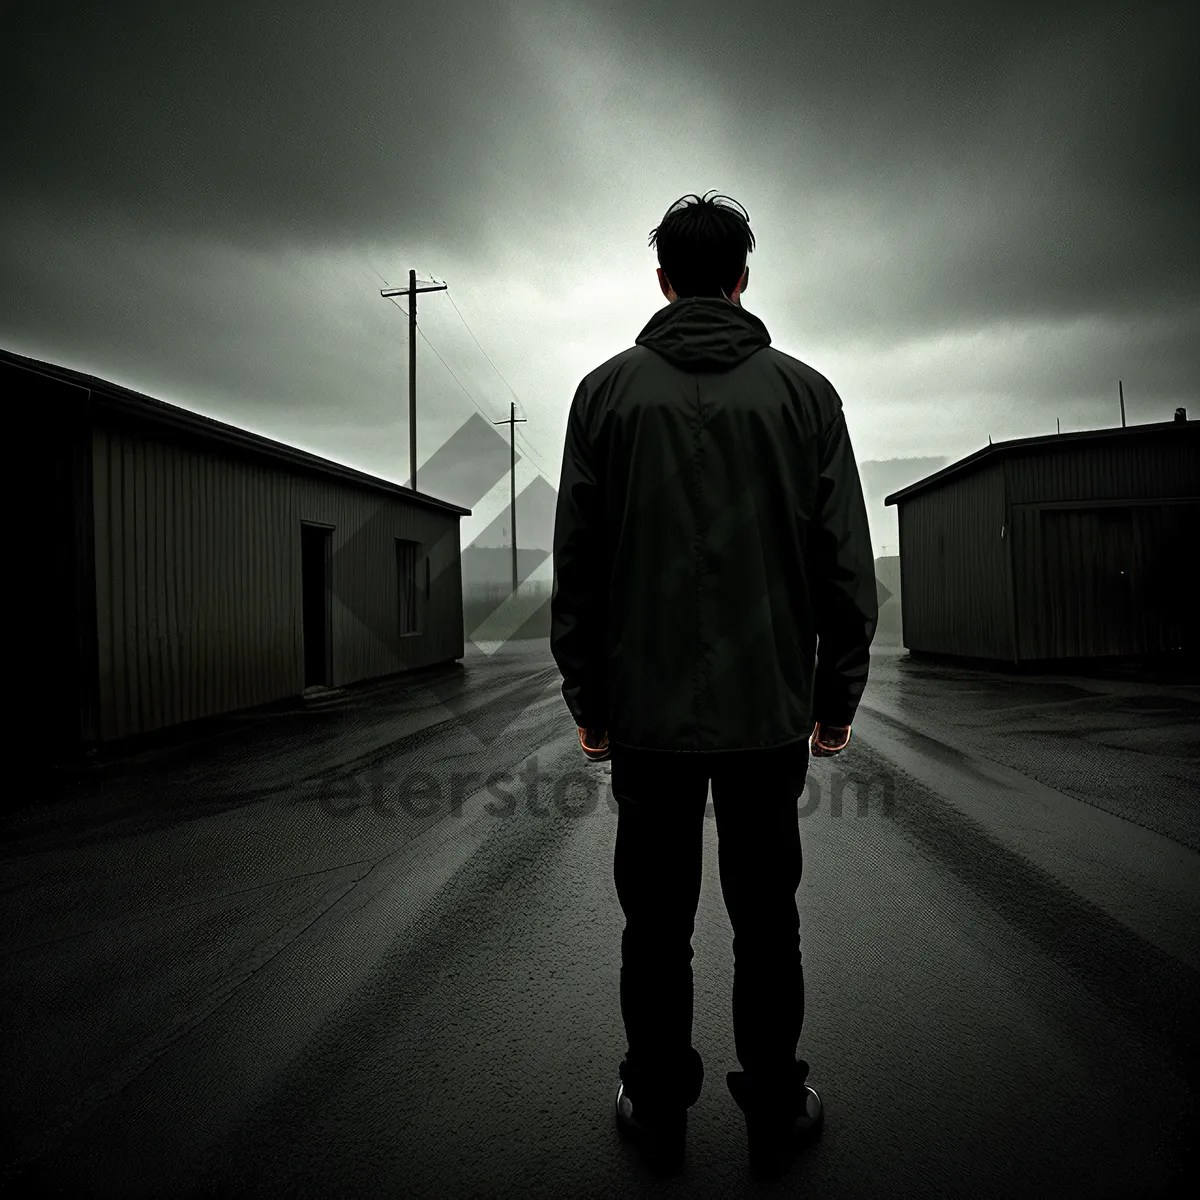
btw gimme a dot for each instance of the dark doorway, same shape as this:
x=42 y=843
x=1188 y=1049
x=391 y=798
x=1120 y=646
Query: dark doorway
x=1164 y=533
x=54 y=540
x=315 y=554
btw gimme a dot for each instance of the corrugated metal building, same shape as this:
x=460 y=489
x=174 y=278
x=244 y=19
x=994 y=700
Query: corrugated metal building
x=1066 y=546
x=184 y=568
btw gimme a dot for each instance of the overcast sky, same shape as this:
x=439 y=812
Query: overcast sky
x=972 y=221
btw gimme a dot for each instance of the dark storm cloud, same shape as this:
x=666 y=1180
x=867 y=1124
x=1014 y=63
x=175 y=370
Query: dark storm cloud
x=975 y=219
x=261 y=122
x=1030 y=160
x=967 y=163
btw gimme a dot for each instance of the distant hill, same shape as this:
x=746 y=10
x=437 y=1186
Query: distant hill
x=887 y=581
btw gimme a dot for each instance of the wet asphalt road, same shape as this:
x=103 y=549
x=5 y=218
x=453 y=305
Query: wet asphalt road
x=248 y=968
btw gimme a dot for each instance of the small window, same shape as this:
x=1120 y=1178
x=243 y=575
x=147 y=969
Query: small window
x=406 y=586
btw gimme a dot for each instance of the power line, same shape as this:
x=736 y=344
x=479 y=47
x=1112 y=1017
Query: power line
x=525 y=441
x=442 y=360
x=433 y=348
x=476 y=341
x=528 y=448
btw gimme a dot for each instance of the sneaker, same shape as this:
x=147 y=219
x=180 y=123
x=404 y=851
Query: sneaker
x=595 y=744
x=774 y=1135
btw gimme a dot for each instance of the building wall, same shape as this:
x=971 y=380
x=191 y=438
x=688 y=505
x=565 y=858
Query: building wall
x=954 y=568
x=1099 y=537
x=1138 y=465
x=198 y=579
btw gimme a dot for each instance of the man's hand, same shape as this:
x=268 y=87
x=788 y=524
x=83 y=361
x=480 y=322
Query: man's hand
x=595 y=744
x=828 y=740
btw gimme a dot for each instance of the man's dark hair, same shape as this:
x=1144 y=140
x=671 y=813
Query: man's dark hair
x=702 y=247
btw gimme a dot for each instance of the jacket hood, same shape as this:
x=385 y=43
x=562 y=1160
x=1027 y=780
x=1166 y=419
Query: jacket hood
x=704 y=333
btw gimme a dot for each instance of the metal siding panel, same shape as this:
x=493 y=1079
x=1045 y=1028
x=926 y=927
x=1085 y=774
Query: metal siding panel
x=101 y=521
x=260 y=566
x=954 y=598
x=144 y=503
x=256 y=566
x=1140 y=469
x=216 y=583
x=910 y=581
x=131 y=599
x=271 y=663
x=84 y=511
x=1079 y=606
x=120 y=589
x=1089 y=592
x=930 y=593
x=229 y=552
x=1138 y=466
x=130 y=710
x=1010 y=588
x=217 y=566
x=140 y=632
x=243 y=592
x=217 y=580
x=198 y=599
x=327 y=505
x=286 y=598
x=291 y=578
x=156 y=586
x=1063 y=577
x=185 y=555
x=1028 y=588
x=193 y=517
x=120 y=594
x=168 y=568
x=197 y=523
x=180 y=550
x=223 y=556
x=368 y=595
x=200 y=582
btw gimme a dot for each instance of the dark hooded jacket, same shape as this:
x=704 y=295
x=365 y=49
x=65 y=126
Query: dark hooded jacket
x=714 y=582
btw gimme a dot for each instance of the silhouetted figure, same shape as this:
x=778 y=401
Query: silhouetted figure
x=710 y=529
x=1181 y=414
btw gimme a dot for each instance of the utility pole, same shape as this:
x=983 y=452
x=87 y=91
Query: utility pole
x=1121 y=393
x=1057 y=425
x=411 y=292
x=512 y=423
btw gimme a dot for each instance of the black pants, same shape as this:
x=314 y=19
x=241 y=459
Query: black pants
x=657 y=865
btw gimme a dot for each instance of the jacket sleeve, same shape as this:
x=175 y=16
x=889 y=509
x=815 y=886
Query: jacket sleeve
x=841 y=571
x=578 y=602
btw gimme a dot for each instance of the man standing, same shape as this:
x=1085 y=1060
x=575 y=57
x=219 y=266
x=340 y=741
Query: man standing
x=714 y=604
